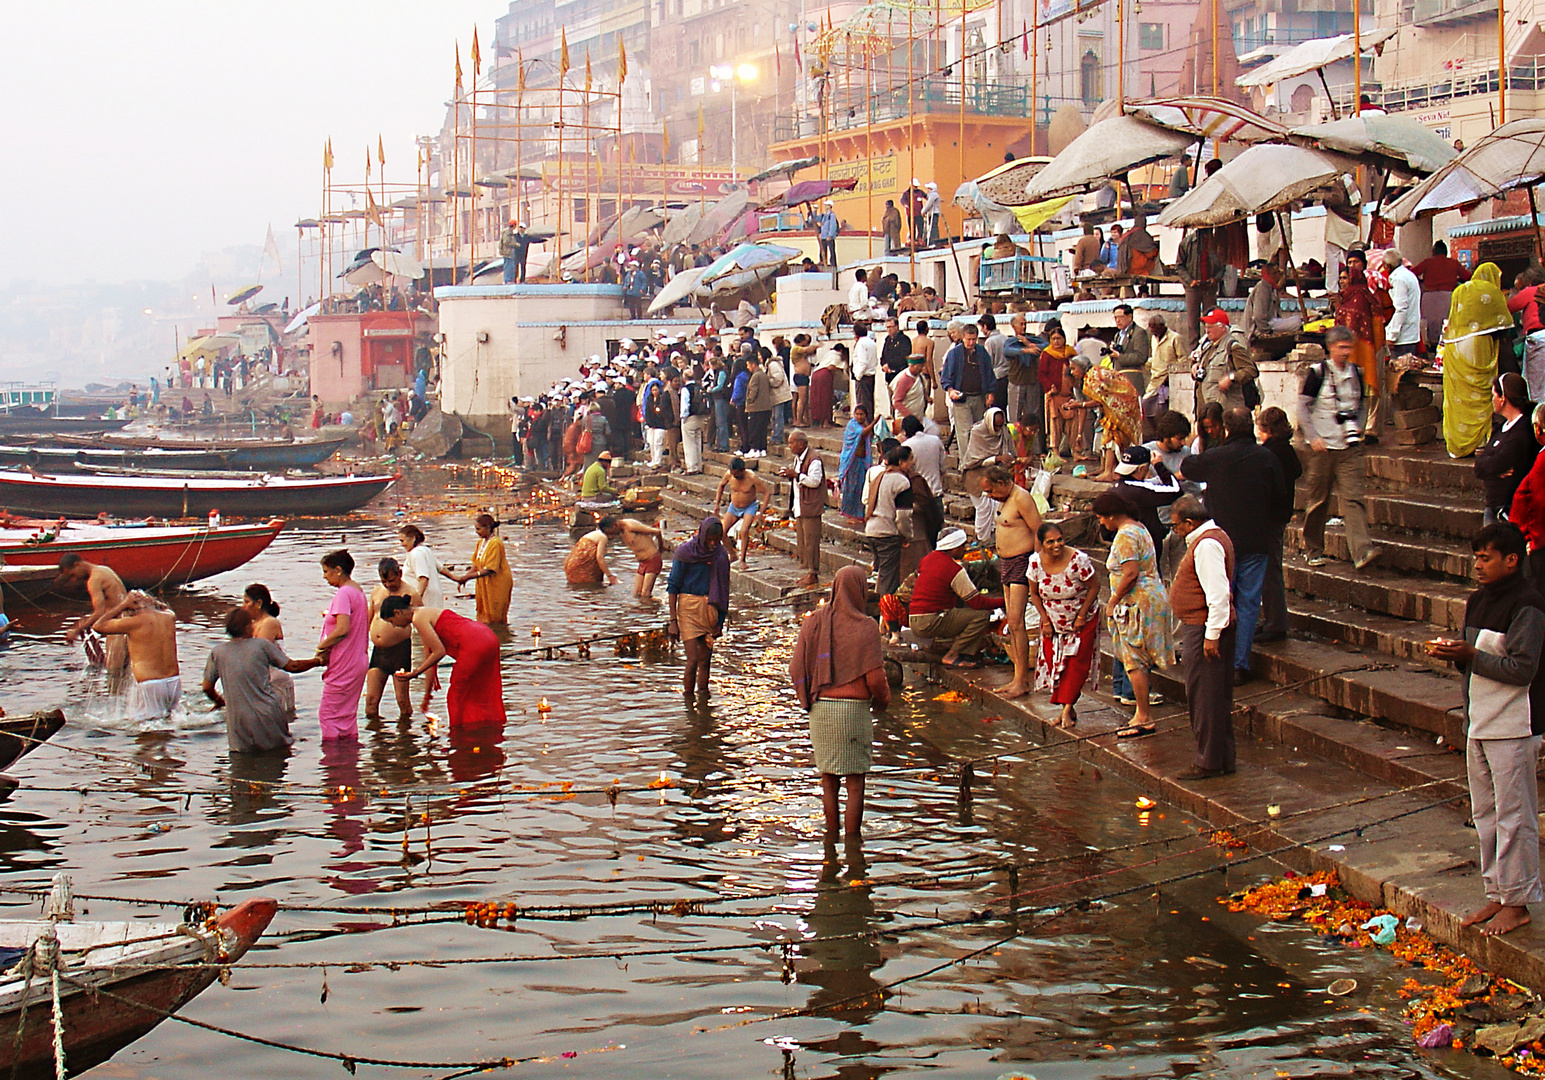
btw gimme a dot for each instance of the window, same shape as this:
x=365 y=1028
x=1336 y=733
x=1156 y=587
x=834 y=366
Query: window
x=1090 y=81
x=1150 y=35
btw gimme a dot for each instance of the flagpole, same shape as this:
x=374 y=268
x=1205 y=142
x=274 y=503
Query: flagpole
x=473 y=177
x=1035 y=77
x=558 y=235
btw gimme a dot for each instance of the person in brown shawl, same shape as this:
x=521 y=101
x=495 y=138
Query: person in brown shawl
x=839 y=677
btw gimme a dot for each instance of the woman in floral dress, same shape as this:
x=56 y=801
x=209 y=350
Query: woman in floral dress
x=1064 y=588
x=1138 y=610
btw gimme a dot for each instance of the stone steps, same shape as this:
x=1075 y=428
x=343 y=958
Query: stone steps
x=1414 y=599
x=1407 y=553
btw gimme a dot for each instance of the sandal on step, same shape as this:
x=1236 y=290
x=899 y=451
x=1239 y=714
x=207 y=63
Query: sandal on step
x=1136 y=731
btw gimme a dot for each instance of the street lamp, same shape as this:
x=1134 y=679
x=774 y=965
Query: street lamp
x=734 y=75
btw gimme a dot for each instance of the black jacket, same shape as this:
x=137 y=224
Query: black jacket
x=1510 y=452
x=1244 y=484
x=1292 y=469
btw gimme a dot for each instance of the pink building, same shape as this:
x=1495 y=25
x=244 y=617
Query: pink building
x=355 y=353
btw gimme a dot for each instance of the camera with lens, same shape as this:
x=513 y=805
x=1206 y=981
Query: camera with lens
x=1348 y=419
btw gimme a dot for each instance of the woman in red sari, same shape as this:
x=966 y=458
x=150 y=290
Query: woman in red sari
x=1359 y=311
x=476 y=696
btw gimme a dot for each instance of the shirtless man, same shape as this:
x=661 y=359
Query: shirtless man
x=106 y=590
x=150 y=629
x=391 y=649
x=645 y=541
x=1018 y=520
x=746 y=492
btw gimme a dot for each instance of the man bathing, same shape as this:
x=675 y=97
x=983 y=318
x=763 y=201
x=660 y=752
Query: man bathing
x=746 y=490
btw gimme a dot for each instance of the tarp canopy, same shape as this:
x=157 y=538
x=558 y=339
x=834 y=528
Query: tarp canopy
x=972 y=196
x=1263 y=178
x=719 y=216
x=244 y=294
x=208 y=345
x=1404 y=143
x=374 y=268
x=809 y=191
x=635 y=221
x=1313 y=55
x=1512 y=156
x=749 y=257
x=1005 y=184
x=677 y=289
x=1208 y=118
x=783 y=168
x=1110 y=148
x=301 y=317
x=680 y=223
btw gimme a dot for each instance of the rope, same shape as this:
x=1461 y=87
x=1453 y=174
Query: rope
x=350 y=1061
x=28 y=963
x=59 y=1070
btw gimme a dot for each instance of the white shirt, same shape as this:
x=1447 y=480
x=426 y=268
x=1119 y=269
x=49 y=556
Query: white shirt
x=866 y=357
x=421 y=563
x=928 y=457
x=1405 y=292
x=809 y=477
x=858 y=296
x=1212 y=571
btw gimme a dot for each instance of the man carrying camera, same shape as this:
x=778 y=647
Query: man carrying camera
x=1331 y=413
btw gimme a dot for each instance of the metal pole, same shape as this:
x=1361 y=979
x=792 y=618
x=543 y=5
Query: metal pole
x=1121 y=59
x=1357 y=56
x=1502 y=69
x=1215 y=47
x=1035 y=77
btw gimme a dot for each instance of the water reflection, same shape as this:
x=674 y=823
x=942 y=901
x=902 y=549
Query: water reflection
x=837 y=940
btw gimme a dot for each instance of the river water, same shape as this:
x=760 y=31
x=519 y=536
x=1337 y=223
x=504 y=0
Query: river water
x=1150 y=983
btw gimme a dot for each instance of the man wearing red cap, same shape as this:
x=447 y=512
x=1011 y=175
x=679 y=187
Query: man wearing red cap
x=1222 y=365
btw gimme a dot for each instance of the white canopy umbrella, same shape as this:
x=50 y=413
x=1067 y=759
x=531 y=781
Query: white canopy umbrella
x=1313 y=56
x=680 y=223
x=719 y=216
x=1512 y=156
x=1109 y=148
x=1404 y=143
x=301 y=317
x=1265 y=177
x=677 y=289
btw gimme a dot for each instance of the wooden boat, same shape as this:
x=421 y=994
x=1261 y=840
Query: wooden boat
x=252 y=454
x=29 y=421
x=145 y=557
x=117 y=979
x=69 y=459
x=173 y=497
x=20 y=735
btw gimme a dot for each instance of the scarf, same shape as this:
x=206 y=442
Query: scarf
x=986 y=442
x=837 y=643
x=696 y=550
x=1493 y=607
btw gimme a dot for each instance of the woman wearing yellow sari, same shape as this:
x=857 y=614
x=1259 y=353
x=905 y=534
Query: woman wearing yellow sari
x=491 y=571
x=1477 y=312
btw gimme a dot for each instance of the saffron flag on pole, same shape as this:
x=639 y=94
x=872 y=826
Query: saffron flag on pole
x=1025 y=45
x=327 y=154
x=665 y=140
x=477 y=54
x=588 y=77
x=367 y=163
x=563 y=52
x=799 y=61
x=700 y=129
x=380 y=150
x=520 y=73
x=777 y=60
x=458 y=67
x=271 y=249
x=622 y=61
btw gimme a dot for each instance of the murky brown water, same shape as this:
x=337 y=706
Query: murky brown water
x=1147 y=985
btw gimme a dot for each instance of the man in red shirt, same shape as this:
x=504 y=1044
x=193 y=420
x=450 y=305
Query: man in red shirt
x=1440 y=274
x=1528 y=509
x=942 y=585
x=1523 y=301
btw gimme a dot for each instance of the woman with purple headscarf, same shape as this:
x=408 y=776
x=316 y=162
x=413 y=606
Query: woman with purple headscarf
x=698 y=590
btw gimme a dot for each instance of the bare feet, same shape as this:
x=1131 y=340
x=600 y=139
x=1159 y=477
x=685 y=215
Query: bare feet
x=1069 y=716
x=1510 y=918
x=1013 y=690
x=1480 y=916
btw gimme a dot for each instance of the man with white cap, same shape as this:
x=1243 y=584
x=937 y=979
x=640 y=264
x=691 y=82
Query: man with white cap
x=826 y=233
x=946 y=604
x=931 y=208
x=513 y=246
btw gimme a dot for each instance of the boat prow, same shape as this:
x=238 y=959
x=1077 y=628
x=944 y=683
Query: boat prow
x=118 y=980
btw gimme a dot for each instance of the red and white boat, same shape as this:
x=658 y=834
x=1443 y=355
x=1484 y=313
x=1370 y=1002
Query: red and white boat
x=144 y=556
x=117 y=979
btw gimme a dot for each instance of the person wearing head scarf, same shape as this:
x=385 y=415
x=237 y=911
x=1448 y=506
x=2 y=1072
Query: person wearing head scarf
x=839 y=677
x=1138 y=252
x=698 y=590
x=853 y=465
x=1477 y=314
x=989 y=443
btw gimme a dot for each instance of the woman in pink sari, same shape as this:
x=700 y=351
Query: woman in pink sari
x=344 y=648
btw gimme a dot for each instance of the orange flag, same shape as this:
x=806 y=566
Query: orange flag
x=665 y=141
x=327 y=154
x=622 y=61
x=458 y=67
x=380 y=151
x=563 y=53
x=367 y=163
x=520 y=72
x=477 y=54
x=587 y=69
x=700 y=129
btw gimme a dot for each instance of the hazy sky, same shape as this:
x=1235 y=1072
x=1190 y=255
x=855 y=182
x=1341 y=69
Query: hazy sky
x=139 y=135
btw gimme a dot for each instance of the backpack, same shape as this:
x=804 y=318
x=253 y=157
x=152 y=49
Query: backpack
x=697 y=401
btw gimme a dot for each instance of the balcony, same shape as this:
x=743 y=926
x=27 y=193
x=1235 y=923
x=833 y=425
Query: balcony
x=930 y=96
x=1445 y=12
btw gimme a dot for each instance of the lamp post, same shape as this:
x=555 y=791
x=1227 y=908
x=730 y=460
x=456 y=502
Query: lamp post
x=734 y=74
